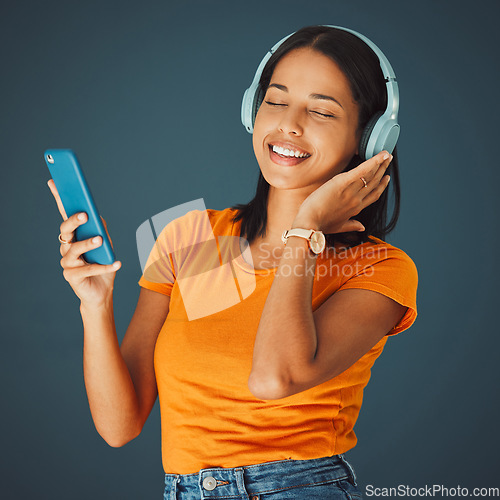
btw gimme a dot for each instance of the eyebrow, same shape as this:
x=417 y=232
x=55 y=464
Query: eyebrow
x=313 y=96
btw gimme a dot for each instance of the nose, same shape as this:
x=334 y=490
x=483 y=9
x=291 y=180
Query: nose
x=290 y=122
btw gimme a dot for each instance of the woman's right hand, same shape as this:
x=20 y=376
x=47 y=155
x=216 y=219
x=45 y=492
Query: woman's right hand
x=92 y=283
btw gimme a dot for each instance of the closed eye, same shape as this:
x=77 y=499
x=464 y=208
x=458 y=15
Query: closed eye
x=323 y=114
x=274 y=103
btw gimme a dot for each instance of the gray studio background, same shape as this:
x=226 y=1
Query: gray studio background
x=148 y=94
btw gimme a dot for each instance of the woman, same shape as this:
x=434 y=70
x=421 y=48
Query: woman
x=260 y=354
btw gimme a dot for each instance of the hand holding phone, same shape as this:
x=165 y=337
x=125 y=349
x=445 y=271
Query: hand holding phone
x=76 y=197
x=84 y=258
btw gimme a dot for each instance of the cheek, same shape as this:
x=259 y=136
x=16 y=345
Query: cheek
x=341 y=141
x=259 y=122
x=258 y=133
x=255 y=143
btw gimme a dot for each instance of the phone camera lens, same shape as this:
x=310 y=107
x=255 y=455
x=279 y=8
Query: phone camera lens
x=50 y=159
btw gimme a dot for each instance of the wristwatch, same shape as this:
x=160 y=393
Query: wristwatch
x=316 y=239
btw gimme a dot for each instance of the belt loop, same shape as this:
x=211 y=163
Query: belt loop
x=240 y=482
x=351 y=469
x=173 y=488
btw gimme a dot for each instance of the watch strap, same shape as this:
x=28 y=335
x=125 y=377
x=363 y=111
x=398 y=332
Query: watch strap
x=315 y=239
x=301 y=233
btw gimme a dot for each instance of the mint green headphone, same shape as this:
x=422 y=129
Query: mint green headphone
x=382 y=130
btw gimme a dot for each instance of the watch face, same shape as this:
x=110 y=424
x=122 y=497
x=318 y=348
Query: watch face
x=318 y=242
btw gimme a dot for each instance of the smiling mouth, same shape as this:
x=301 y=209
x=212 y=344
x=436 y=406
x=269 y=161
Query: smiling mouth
x=288 y=152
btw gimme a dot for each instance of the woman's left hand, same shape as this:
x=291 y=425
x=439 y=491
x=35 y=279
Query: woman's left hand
x=330 y=207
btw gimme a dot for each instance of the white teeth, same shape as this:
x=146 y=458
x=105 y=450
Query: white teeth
x=289 y=152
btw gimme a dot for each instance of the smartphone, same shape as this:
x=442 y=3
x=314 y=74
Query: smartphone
x=76 y=197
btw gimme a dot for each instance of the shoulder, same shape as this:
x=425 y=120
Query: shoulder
x=393 y=260
x=197 y=224
x=387 y=258
x=216 y=217
x=384 y=268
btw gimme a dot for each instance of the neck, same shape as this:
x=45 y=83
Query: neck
x=282 y=208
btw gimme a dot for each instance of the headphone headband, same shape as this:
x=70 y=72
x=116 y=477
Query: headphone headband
x=382 y=131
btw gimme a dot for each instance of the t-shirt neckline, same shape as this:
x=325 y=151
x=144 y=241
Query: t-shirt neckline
x=239 y=259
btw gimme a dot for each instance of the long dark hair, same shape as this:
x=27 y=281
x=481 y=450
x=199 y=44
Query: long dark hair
x=362 y=68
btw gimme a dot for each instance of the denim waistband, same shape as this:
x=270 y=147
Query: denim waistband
x=259 y=479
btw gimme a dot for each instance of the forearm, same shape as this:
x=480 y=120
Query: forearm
x=286 y=341
x=110 y=390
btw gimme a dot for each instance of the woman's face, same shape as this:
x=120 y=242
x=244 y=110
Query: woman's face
x=306 y=130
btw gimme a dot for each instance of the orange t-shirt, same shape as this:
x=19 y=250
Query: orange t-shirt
x=203 y=354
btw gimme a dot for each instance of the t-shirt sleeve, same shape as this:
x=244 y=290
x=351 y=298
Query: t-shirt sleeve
x=180 y=251
x=393 y=274
x=158 y=274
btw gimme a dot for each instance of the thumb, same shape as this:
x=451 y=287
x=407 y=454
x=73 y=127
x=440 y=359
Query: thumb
x=351 y=225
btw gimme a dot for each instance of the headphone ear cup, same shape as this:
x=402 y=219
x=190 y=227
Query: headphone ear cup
x=246 y=110
x=257 y=101
x=365 y=136
x=252 y=99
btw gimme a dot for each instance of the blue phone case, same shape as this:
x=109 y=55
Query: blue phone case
x=76 y=197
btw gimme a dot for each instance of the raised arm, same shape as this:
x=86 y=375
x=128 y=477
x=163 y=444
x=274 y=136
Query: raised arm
x=296 y=349
x=120 y=382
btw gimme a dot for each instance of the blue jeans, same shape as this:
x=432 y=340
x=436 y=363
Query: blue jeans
x=322 y=479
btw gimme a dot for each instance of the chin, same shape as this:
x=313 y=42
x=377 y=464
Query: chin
x=281 y=182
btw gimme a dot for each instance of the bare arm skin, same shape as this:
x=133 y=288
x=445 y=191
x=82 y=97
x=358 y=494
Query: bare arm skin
x=296 y=349
x=120 y=382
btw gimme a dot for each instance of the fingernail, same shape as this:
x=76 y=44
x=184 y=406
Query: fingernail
x=386 y=155
x=116 y=265
x=81 y=216
x=95 y=240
